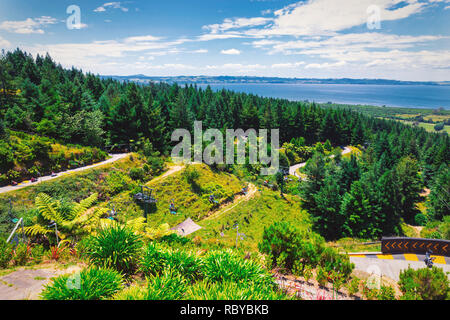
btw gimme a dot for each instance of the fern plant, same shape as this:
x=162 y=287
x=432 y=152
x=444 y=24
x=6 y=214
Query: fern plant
x=74 y=220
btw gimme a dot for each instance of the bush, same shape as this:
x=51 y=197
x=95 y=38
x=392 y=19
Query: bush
x=425 y=284
x=115 y=247
x=420 y=219
x=37 y=253
x=137 y=174
x=6 y=254
x=285 y=245
x=153 y=261
x=227 y=266
x=158 y=259
x=353 y=286
x=21 y=254
x=228 y=290
x=332 y=260
x=386 y=293
x=117 y=182
x=89 y=284
x=167 y=286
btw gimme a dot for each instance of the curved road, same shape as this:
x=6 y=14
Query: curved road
x=294 y=168
x=114 y=158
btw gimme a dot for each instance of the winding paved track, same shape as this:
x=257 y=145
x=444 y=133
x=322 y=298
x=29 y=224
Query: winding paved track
x=294 y=168
x=391 y=265
x=114 y=158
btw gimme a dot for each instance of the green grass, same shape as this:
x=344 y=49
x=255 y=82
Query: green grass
x=253 y=216
x=73 y=187
x=429 y=127
x=189 y=201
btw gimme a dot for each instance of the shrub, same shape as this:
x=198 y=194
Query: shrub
x=285 y=245
x=130 y=294
x=353 y=286
x=117 y=182
x=89 y=284
x=332 y=260
x=322 y=276
x=157 y=259
x=167 y=286
x=420 y=219
x=153 y=261
x=185 y=263
x=115 y=247
x=21 y=254
x=175 y=239
x=37 y=253
x=228 y=290
x=6 y=254
x=137 y=174
x=386 y=293
x=227 y=266
x=425 y=284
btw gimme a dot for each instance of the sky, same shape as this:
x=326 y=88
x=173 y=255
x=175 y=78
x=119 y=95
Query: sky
x=389 y=39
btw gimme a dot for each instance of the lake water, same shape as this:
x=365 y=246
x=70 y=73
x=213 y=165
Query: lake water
x=410 y=96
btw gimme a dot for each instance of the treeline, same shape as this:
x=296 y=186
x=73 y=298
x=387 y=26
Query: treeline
x=38 y=95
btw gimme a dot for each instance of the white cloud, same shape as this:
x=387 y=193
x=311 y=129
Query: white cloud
x=287 y=65
x=231 y=52
x=28 y=26
x=142 y=39
x=112 y=5
x=325 y=65
x=326 y=17
x=4 y=43
x=237 y=23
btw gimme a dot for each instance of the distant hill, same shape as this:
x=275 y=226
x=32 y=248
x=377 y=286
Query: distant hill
x=232 y=79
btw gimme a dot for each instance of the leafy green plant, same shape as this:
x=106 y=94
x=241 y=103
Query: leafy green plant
x=157 y=258
x=386 y=293
x=37 y=253
x=6 y=254
x=153 y=261
x=170 y=285
x=22 y=254
x=228 y=290
x=74 y=219
x=322 y=276
x=353 y=286
x=115 y=247
x=89 y=284
x=425 y=284
x=228 y=266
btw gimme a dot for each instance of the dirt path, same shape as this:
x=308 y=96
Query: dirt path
x=172 y=170
x=114 y=158
x=250 y=194
x=27 y=284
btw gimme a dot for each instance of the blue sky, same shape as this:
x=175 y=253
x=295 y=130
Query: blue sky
x=393 y=39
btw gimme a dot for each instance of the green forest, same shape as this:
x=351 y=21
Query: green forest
x=395 y=179
x=365 y=196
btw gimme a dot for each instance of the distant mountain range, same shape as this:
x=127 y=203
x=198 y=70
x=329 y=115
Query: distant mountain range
x=241 y=80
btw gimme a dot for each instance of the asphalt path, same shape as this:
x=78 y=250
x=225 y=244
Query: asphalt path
x=114 y=158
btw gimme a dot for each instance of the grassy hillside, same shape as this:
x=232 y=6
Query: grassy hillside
x=265 y=208
x=73 y=187
x=189 y=188
x=23 y=156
